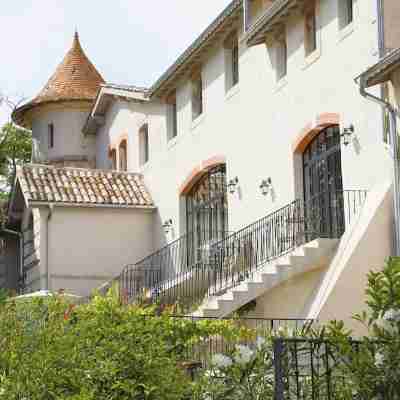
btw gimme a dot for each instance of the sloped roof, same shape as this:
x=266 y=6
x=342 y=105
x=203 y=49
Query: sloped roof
x=82 y=187
x=76 y=78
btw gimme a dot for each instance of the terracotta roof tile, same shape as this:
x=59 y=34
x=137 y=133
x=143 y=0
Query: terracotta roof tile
x=42 y=183
x=76 y=78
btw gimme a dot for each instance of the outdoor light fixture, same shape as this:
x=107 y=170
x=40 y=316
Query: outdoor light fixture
x=232 y=185
x=167 y=225
x=266 y=186
x=347 y=133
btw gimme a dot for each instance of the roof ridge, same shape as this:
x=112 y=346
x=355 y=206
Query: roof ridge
x=50 y=166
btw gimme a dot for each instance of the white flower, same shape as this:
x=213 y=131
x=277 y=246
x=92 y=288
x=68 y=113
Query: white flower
x=2 y=391
x=379 y=359
x=243 y=354
x=260 y=342
x=392 y=315
x=221 y=361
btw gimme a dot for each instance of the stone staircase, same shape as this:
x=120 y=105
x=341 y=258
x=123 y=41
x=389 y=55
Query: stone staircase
x=310 y=256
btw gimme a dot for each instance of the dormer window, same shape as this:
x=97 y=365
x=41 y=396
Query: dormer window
x=310 y=28
x=123 y=156
x=346 y=13
x=197 y=96
x=50 y=135
x=144 y=144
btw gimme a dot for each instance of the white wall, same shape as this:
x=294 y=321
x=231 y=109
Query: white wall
x=68 y=120
x=89 y=246
x=255 y=125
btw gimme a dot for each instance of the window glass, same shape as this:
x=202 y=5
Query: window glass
x=197 y=97
x=310 y=21
x=50 y=139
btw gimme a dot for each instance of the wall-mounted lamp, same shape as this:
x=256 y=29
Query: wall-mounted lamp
x=347 y=133
x=266 y=186
x=167 y=225
x=233 y=184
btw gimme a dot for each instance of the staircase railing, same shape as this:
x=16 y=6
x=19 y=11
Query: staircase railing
x=179 y=274
x=325 y=215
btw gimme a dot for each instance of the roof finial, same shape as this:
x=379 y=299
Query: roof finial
x=76 y=35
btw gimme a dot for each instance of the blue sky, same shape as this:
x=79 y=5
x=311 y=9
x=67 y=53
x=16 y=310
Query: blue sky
x=129 y=41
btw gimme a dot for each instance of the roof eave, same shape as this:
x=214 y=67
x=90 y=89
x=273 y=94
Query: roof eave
x=234 y=7
x=381 y=71
x=272 y=17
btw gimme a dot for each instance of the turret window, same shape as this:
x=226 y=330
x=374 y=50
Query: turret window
x=310 y=28
x=123 y=156
x=50 y=135
x=113 y=159
x=346 y=13
x=231 y=61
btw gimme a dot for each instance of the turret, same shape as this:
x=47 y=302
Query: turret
x=58 y=113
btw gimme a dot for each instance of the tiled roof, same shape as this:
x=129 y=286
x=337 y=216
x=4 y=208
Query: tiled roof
x=79 y=186
x=75 y=78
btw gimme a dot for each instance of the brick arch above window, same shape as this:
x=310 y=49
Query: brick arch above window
x=198 y=171
x=307 y=134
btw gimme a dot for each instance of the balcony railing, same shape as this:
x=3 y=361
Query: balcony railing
x=177 y=274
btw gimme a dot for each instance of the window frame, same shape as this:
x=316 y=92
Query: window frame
x=197 y=95
x=346 y=13
x=311 y=39
x=281 y=56
x=144 y=148
x=123 y=161
x=231 y=48
x=172 y=117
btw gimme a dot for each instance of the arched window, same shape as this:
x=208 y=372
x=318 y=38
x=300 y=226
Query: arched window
x=207 y=210
x=323 y=187
x=123 y=156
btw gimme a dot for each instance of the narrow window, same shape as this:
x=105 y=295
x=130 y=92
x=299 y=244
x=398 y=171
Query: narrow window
x=281 y=57
x=144 y=144
x=231 y=61
x=123 y=156
x=310 y=28
x=346 y=13
x=197 y=96
x=113 y=159
x=172 y=117
x=50 y=130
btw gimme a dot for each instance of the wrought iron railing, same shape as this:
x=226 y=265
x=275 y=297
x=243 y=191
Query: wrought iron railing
x=183 y=274
x=325 y=215
x=311 y=369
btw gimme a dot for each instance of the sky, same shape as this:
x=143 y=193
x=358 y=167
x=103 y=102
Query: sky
x=129 y=41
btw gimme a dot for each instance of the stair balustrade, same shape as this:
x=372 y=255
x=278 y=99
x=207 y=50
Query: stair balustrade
x=182 y=273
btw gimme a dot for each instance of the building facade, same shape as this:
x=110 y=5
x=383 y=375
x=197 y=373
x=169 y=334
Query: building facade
x=269 y=174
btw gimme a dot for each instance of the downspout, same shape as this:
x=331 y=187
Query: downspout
x=21 y=248
x=49 y=215
x=396 y=170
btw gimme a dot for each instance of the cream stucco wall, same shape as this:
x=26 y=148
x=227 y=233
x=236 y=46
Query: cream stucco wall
x=68 y=120
x=255 y=124
x=88 y=246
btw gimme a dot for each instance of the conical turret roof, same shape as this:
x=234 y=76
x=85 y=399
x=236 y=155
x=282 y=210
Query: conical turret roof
x=76 y=78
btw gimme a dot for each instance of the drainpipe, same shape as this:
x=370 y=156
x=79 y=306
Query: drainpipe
x=50 y=214
x=21 y=248
x=394 y=142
